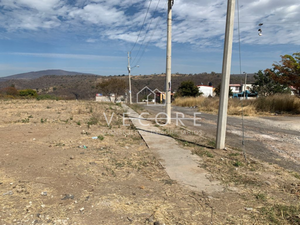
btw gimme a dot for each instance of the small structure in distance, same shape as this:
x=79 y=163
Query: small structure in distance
x=102 y=98
x=208 y=91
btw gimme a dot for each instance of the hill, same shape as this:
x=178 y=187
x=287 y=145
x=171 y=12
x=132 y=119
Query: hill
x=37 y=74
x=84 y=86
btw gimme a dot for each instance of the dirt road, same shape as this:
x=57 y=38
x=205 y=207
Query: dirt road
x=271 y=139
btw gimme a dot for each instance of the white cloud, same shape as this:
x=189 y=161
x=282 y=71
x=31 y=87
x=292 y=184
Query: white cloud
x=98 y=14
x=200 y=23
x=40 y=5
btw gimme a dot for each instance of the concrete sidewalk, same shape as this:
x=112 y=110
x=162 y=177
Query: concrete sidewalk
x=179 y=163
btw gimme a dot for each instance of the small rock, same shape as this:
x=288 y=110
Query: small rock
x=71 y=157
x=44 y=193
x=157 y=223
x=249 y=209
x=268 y=183
x=150 y=219
x=9 y=193
x=82 y=209
x=222 y=159
x=68 y=196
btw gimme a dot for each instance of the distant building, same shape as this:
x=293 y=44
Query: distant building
x=101 y=98
x=237 y=88
x=208 y=91
x=242 y=90
x=161 y=97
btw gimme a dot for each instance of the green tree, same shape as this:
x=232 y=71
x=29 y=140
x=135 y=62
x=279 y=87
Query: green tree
x=188 y=88
x=287 y=71
x=265 y=85
x=28 y=93
x=218 y=91
x=115 y=86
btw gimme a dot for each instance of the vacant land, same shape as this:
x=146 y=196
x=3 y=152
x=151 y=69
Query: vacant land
x=276 y=104
x=64 y=162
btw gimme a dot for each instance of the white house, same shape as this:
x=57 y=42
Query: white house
x=235 y=88
x=206 y=90
x=238 y=88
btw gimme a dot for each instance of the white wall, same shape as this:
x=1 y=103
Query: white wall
x=207 y=90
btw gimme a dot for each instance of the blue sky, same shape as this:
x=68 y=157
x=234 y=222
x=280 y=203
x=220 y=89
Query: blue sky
x=94 y=36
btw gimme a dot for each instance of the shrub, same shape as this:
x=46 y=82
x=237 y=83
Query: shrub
x=9 y=91
x=100 y=137
x=28 y=93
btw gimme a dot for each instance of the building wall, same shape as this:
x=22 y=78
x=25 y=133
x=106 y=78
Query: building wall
x=102 y=99
x=206 y=90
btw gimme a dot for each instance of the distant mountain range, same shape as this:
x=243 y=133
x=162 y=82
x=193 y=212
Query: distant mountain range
x=71 y=85
x=37 y=74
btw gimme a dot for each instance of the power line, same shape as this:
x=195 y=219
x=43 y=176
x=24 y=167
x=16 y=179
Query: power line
x=147 y=30
x=142 y=26
x=148 y=42
x=240 y=61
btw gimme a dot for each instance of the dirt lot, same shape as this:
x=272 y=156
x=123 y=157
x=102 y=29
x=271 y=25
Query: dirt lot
x=52 y=171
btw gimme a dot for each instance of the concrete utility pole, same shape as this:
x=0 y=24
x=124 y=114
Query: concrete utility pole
x=129 y=81
x=168 y=64
x=245 y=85
x=222 y=116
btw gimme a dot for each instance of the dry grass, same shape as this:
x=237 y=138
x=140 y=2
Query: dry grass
x=279 y=103
x=263 y=105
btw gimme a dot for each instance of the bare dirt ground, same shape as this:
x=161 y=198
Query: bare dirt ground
x=53 y=172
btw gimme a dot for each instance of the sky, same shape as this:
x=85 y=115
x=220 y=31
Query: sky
x=94 y=36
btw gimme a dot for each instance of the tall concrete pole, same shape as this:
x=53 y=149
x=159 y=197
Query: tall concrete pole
x=245 y=85
x=168 y=64
x=129 y=81
x=222 y=116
